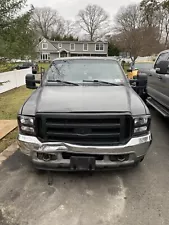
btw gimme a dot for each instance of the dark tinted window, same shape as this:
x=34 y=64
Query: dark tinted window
x=162 y=56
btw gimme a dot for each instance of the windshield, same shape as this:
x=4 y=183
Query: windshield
x=81 y=70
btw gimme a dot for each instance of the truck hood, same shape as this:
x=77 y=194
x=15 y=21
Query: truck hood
x=84 y=99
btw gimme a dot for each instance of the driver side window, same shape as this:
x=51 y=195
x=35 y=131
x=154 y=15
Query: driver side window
x=162 y=56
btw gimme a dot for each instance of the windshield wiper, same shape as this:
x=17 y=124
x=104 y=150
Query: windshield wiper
x=63 y=82
x=103 y=82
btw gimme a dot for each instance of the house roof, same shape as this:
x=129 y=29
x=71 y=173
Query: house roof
x=79 y=42
x=88 y=53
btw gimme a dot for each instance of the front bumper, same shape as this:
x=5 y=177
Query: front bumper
x=133 y=151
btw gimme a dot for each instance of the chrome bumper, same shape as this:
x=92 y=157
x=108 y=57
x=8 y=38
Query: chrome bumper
x=137 y=147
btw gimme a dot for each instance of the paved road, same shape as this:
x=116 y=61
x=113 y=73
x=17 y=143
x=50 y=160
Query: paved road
x=128 y=197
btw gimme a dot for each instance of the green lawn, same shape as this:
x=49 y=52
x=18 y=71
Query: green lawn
x=10 y=103
x=5 y=67
x=43 y=65
x=8 y=140
x=126 y=67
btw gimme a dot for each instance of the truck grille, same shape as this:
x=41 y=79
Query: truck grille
x=94 y=129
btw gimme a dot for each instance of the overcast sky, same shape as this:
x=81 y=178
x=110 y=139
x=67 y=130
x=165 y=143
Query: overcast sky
x=69 y=8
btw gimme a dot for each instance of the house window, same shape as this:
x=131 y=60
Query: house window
x=99 y=47
x=85 y=47
x=72 y=47
x=45 y=56
x=59 y=45
x=44 y=46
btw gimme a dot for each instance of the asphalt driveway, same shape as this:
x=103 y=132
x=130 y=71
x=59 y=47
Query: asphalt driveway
x=137 y=196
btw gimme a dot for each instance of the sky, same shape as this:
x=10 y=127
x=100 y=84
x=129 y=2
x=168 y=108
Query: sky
x=69 y=8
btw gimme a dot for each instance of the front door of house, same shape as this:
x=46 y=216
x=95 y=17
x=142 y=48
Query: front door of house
x=63 y=54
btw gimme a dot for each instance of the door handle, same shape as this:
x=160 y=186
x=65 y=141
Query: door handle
x=159 y=77
x=150 y=75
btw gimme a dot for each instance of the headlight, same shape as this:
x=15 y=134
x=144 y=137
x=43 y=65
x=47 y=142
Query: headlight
x=141 y=124
x=26 y=125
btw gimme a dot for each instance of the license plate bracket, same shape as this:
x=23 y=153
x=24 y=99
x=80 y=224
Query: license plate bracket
x=82 y=163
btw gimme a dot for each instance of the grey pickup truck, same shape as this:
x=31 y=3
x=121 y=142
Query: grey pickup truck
x=84 y=115
x=158 y=84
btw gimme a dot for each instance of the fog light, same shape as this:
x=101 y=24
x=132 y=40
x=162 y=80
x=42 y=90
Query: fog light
x=46 y=156
x=120 y=158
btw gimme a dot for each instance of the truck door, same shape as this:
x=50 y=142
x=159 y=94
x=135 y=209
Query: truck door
x=164 y=87
x=156 y=83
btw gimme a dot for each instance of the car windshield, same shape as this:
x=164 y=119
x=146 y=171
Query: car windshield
x=85 y=71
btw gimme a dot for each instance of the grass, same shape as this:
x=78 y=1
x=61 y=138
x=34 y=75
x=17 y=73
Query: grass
x=43 y=65
x=8 y=140
x=10 y=102
x=125 y=68
x=5 y=67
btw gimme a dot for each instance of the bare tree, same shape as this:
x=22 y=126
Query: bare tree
x=165 y=24
x=128 y=18
x=69 y=28
x=133 y=35
x=47 y=20
x=127 y=26
x=152 y=15
x=150 y=11
x=94 y=21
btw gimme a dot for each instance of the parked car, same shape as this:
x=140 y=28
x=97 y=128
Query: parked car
x=158 y=84
x=26 y=65
x=84 y=116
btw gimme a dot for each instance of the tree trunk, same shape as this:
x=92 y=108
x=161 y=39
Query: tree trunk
x=166 y=40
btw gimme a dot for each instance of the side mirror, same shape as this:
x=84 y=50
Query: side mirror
x=30 y=81
x=162 y=67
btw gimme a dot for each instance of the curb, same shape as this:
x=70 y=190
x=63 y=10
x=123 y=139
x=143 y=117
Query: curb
x=8 y=152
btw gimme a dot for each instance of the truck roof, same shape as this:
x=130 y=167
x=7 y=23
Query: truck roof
x=85 y=57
